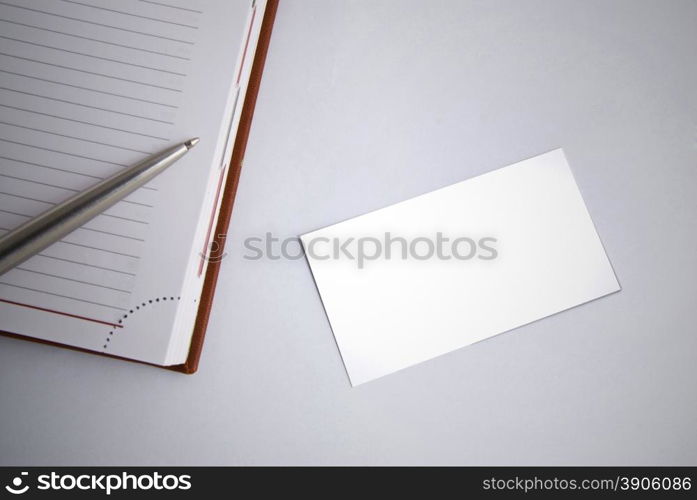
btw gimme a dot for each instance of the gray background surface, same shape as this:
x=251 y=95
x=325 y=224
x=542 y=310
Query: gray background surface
x=366 y=103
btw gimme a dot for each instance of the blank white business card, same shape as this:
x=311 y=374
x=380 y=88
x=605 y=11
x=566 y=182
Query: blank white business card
x=421 y=278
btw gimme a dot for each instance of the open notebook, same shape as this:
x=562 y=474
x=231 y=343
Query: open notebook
x=87 y=88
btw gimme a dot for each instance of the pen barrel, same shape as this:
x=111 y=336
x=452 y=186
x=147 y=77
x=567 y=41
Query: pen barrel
x=40 y=232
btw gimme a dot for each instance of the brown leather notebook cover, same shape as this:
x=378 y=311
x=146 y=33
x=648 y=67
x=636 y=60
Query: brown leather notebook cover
x=225 y=213
x=211 y=279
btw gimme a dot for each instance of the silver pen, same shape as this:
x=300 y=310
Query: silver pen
x=38 y=233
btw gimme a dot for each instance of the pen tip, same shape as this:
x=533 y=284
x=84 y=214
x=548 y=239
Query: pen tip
x=191 y=142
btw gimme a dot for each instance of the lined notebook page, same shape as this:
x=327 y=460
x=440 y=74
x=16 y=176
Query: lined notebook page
x=66 y=124
x=88 y=88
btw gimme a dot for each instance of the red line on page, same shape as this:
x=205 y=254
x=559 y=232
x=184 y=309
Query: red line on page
x=115 y=325
x=204 y=252
x=246 y=45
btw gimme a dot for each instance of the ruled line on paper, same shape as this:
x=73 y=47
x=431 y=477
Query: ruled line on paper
x=86 y=264
x=99 y=249
x=27 y=198
x=125 y=218
x=39 y=11
x=37 y=182
x=73 y=35
x=84 y=229
x=95 y=73
x=63 y=296
x=73 y=280
x=61 y=313
x=82 y=263
x=161 y=70
x=162 y=4
x=140 y=204
x=33 y=181
x=24 y=269
x=90 y=89
x=34 y=146
x=81 y=174
x=50 y=167
x=135 y=221
x=34 y=129
x=13 y=213
x=53 y=203
x=87 y=106
x=5 y=230
x=130 y=14
x=83 y=122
